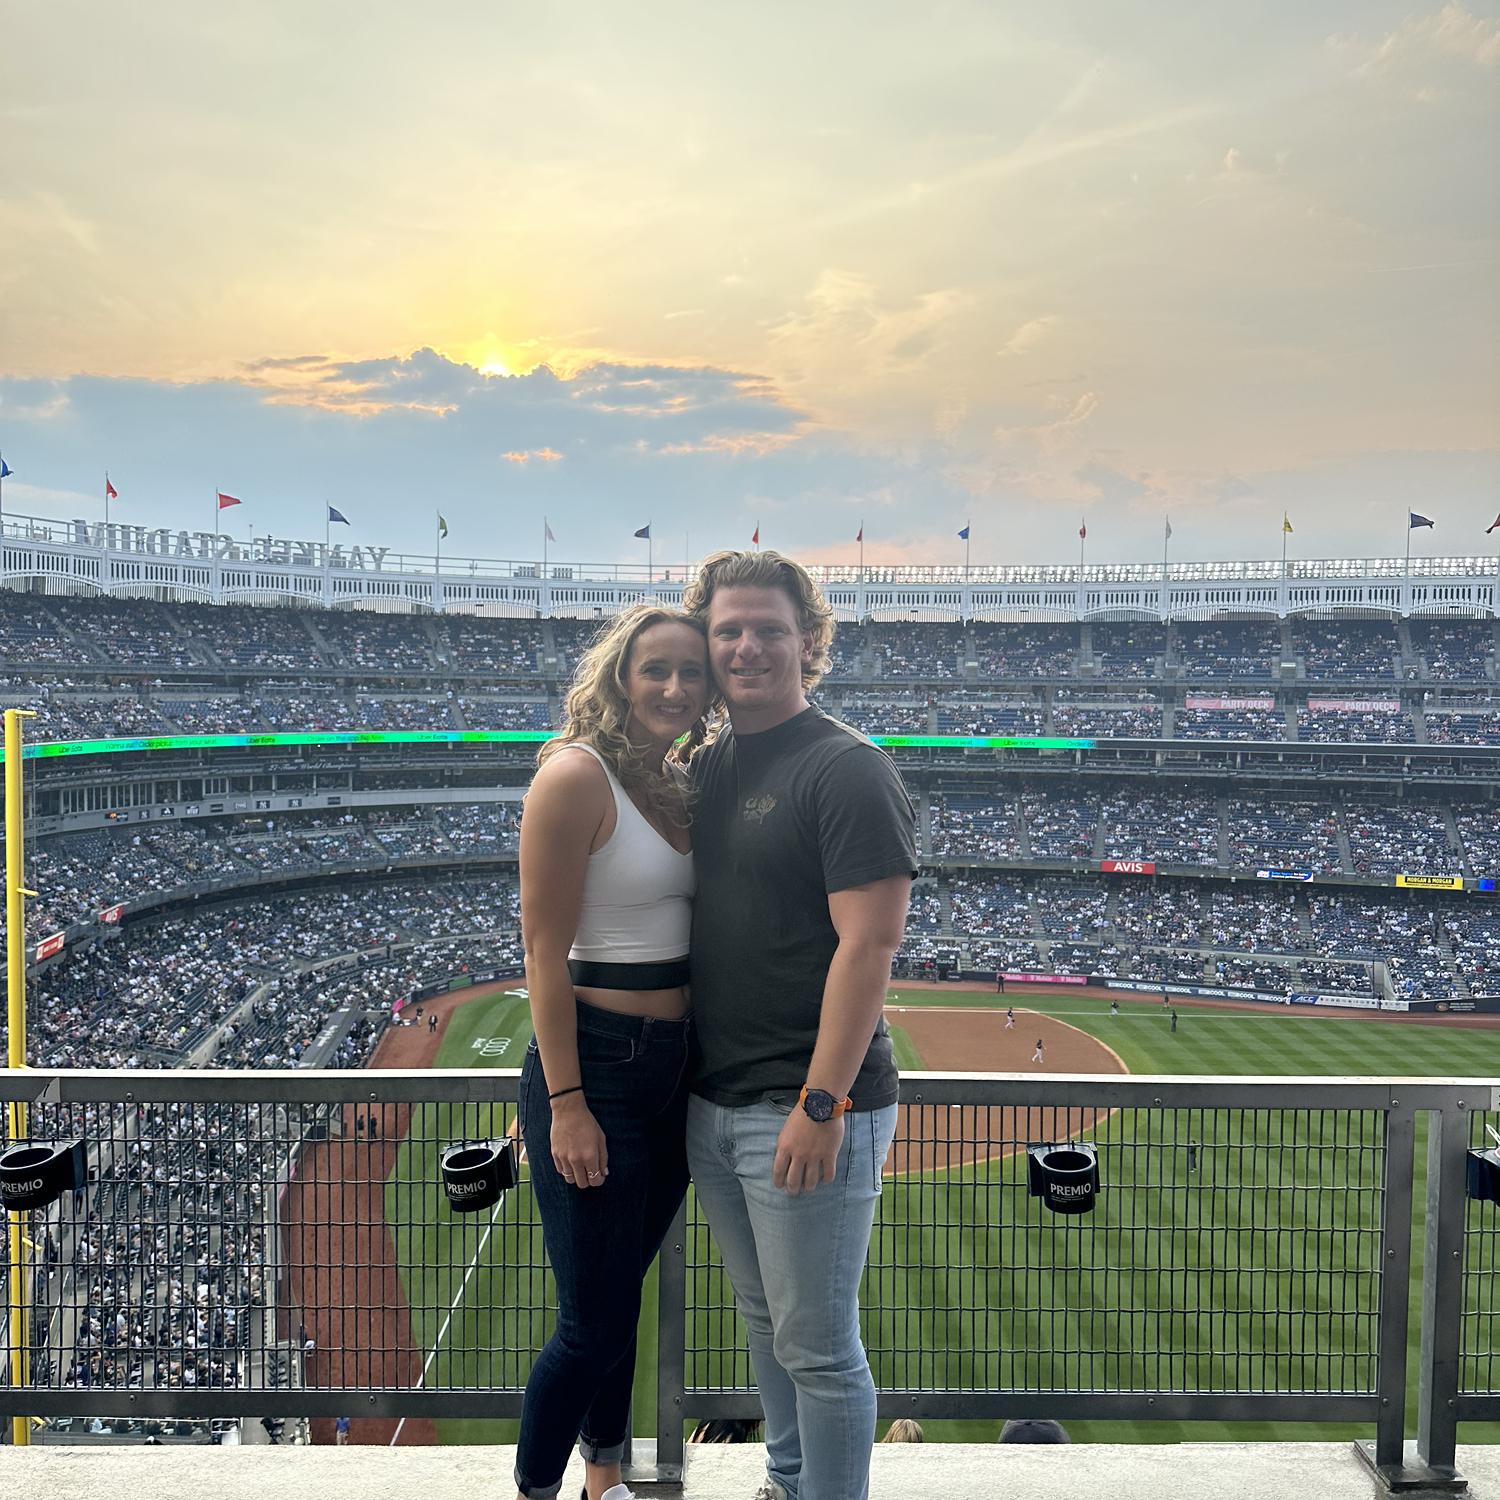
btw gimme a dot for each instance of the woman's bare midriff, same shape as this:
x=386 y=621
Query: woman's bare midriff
x=660 y=1005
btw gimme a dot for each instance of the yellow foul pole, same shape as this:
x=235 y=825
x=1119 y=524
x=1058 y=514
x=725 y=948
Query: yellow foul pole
x=15 y=970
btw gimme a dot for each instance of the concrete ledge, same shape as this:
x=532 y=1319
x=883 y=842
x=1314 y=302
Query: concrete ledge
x=936 y=1471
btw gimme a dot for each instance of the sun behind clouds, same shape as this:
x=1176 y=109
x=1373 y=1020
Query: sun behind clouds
x=492 y=355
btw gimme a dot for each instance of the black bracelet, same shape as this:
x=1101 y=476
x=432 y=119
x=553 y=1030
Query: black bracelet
x=576 y=1089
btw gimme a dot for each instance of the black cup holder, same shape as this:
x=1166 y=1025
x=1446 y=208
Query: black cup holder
x=36 y=1173
x=1065 y=1178
x=476 y=1174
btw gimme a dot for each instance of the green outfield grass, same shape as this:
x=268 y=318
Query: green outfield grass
x=937 y=1255
x=908 y=1059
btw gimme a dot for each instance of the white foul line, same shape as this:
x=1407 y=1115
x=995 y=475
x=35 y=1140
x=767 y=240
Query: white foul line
x=452 y=1308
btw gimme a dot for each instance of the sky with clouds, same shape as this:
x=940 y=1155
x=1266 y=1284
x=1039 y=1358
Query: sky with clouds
x=713 y=266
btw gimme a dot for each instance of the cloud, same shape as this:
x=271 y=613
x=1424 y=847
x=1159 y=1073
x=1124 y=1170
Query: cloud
x=668 y=408
x=47 y=500
x=755 y=443
x=422 y=381
x=1110 y=484
x=1049 y=432
x=849 y=340
x=542 y=455
x=1028 y=335
x=719 y=448
x=1040 y=149
x=291 y=362
x=292 y=431
x=44 y=215
x=1451 y=34
x=40 y=401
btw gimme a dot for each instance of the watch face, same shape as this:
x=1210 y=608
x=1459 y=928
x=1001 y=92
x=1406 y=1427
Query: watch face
x=819 y=1105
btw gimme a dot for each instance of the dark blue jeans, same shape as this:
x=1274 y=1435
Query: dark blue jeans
x=601 y=1240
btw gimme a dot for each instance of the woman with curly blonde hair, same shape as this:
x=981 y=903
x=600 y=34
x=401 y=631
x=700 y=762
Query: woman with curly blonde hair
x=607 y=889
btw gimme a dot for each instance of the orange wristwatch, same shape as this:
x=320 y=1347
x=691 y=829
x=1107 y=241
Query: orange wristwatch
x=820 y=1105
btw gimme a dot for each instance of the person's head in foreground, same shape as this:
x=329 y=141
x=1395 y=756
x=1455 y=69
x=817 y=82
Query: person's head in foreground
x=904 y=1430
x=726 y=1430
x=769 y=630
x=1034 y=1430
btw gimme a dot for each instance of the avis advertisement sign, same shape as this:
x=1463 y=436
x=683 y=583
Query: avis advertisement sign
x=49 y=945
x=112 y=914
x=1128 y=866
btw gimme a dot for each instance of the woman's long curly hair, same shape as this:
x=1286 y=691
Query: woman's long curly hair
x=597 y=711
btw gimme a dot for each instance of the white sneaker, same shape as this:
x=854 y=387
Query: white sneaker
x=617 y=1492
x=769 y=1490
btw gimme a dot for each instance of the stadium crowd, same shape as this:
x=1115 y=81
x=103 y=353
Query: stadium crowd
x=78 y=875
x=162 y=990
x=74 y=627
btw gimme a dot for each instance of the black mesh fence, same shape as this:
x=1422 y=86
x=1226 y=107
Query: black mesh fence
x=249 y=1236
x=1231 y=1251
x=1479 y=1316
x=269 y=1246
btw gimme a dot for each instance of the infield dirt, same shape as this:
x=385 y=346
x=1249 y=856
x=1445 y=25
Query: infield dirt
x=961 y=1040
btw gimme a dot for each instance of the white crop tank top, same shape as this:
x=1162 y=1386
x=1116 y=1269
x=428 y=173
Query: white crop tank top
x=637 y=891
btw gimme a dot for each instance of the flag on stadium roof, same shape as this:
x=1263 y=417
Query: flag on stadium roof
x=645 y=532
x=964 y=534
x=755 y=535
x=337 y=515
x=442 y=526
x=1083 y=531
x=225 y=501
x=861 y=536
x=5 y=469
x=1169 y=528
x=1286 y=523
x=1489 y=529
x=547 y=527
x=1417 y=521
x=110 y=492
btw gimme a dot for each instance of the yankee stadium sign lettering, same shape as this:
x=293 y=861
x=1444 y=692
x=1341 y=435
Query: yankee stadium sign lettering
x=219 y=546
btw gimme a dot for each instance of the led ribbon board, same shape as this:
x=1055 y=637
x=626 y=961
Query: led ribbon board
x=47 y=749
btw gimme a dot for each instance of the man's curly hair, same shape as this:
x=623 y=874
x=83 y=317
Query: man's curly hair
x=768 y=570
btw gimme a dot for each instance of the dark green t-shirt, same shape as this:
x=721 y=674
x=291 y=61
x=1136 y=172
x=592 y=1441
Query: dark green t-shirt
x=782 y=819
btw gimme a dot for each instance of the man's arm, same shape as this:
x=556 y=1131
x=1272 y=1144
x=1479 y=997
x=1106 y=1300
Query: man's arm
x=870 y=921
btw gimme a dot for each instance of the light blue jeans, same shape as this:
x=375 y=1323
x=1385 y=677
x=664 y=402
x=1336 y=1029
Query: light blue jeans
x=795 y=1264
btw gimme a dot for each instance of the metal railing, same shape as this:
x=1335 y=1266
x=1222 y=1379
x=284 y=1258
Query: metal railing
x=1249 y=1258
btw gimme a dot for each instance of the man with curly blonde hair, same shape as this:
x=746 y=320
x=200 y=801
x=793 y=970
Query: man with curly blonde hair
x=805 y=840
